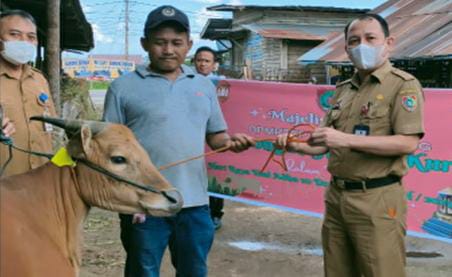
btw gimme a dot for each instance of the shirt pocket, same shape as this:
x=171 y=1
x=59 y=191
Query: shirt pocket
x=378 y=121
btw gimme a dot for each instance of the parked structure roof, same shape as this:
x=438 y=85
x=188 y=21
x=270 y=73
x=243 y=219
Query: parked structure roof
x=422 y=28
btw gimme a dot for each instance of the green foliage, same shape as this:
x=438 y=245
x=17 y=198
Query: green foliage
x=99 y=85
x=215 y=186
x=77 y=92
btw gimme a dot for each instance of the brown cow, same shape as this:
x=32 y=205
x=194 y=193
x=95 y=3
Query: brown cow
x=42 y=211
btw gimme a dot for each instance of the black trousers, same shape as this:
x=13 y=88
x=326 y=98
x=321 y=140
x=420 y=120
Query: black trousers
x=216 y=206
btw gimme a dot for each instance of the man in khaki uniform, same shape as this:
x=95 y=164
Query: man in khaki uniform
x=24 y=92
x=376 y=119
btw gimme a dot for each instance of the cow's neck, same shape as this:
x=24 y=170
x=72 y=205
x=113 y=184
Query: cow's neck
x=65 y=209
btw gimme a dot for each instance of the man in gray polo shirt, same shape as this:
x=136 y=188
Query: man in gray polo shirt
x=173 y=112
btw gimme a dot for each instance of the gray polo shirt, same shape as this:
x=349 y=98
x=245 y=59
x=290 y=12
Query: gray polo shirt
x=170 y=119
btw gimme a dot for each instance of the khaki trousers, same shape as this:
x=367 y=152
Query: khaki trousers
x=363 y=232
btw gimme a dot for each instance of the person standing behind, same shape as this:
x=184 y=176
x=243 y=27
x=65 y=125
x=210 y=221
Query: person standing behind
x=24 y=92
x=173 y=112
x=205 y=61
x=376 y=120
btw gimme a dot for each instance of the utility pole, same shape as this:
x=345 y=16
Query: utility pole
x=126 y=35
x=53 y=54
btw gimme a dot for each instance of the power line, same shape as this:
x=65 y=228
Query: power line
x=125 y=18
x=126 y=35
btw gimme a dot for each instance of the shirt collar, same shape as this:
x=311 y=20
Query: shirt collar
x=355 y=80
x=381 y=73
x=378 y=75
x=5 y=70
x=144 y=71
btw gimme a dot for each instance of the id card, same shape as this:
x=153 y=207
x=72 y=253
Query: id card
x=47 y=126
x=361 y=130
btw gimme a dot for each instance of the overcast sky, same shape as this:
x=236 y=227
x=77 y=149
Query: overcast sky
x=107 y=18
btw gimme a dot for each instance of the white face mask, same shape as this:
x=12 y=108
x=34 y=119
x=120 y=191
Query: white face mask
x=18 y=52
x=366 y=57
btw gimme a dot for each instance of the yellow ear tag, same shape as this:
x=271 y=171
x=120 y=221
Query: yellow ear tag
x=62 y=158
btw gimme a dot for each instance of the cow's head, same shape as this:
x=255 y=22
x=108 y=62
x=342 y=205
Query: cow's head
x=115 y=148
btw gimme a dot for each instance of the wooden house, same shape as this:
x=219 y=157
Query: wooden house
x=266 y=41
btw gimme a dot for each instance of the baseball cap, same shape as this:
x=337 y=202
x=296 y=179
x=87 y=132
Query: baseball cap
x=163 y=14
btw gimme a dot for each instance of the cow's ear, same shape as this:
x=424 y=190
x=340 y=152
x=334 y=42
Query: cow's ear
x=86 y=135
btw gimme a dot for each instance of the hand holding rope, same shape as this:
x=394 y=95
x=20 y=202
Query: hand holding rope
x=295 y=134
x=6 y=128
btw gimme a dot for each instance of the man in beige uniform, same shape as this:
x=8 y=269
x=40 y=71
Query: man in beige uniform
x=24 y=92
x=376 y=119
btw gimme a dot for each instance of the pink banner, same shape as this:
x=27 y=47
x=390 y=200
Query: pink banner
x=264 y=110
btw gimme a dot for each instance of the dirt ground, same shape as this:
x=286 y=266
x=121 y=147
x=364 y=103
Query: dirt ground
x=254 y=241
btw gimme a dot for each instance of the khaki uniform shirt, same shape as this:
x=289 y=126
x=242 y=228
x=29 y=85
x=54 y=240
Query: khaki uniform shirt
x=389 y=102
x=20 y=99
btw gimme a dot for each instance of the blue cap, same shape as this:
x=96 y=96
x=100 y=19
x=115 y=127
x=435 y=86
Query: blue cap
x=163 y=14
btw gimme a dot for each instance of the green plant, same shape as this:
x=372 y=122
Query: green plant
x=99 y=85
x=226 y=189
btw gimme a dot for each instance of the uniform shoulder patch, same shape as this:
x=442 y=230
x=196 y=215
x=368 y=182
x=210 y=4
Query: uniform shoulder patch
x=411 y=87
x=408 y=91
x=339 y=84
x=402 y=74
x=409 y=102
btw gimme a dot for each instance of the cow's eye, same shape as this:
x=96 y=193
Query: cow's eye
x=118 y=159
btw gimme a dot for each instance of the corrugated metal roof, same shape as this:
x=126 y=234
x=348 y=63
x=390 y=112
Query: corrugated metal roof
x=422 y=28
x=216 y=28
x=231 y=8
x=222 y=28
x=290 y=31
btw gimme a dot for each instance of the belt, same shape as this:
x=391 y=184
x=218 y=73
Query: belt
x=367 y=184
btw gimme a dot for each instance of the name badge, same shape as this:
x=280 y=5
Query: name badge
x=47 y=126
x=361 y=130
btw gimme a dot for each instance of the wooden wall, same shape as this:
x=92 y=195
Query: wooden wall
x=267 y=55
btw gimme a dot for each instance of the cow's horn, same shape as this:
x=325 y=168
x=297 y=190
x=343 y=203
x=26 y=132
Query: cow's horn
x=72 y=127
